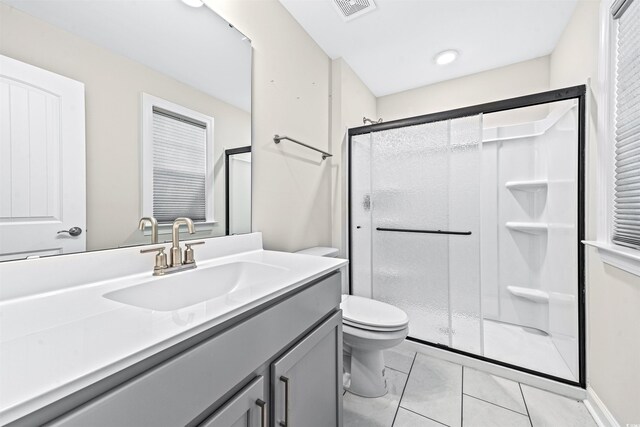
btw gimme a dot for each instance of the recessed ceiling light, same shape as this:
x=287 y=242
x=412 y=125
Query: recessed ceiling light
x=445 y=57
x=193 y=3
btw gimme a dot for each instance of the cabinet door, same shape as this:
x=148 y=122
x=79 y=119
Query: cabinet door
x=248 y=408
x=307 y=380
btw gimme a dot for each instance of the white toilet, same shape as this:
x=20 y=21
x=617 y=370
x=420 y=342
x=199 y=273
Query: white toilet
x=369 y=327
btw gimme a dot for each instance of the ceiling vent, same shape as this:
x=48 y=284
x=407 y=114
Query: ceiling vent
x=351 y=9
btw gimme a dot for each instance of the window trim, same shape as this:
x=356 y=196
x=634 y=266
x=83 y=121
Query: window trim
x=148 y=102
x=622 y=257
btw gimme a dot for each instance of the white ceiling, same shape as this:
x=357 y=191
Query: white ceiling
x=192 y=45
x=392 y=48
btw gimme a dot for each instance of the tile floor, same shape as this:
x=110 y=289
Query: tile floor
x=429 y=392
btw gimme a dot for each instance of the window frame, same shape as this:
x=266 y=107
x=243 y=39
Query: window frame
x=148 y=102
x=622 y=257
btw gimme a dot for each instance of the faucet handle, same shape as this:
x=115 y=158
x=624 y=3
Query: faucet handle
x=159 y=249
x=161 y=257
x=188 y=252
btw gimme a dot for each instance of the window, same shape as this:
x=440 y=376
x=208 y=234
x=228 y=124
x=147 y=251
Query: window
x=626 y=217
x=619 y=137
x=177 y=153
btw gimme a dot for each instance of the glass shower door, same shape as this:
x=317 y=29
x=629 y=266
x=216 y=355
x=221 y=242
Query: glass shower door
x=422 y=182
x=411 y=270
x=465 y=296
x=473 y=226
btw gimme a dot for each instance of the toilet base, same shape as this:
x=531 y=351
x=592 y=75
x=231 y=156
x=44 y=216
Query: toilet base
x=367 y=373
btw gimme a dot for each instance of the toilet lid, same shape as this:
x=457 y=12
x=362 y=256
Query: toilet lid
x=367 y=313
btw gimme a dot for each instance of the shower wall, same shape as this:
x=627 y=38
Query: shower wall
x=529 y=240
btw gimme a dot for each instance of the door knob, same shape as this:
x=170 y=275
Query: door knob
x=73 y=231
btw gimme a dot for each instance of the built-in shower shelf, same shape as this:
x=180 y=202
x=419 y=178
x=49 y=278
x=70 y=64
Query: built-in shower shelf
x=528 y=227
x=535 y=295
x=530 y=185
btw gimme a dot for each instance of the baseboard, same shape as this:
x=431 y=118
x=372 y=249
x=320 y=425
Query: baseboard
x=598 y=410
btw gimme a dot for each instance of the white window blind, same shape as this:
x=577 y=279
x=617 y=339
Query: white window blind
x=626 y=227
x=179 y=167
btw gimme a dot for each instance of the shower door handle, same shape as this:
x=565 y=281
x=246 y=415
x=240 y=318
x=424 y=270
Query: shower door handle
x=406 y=230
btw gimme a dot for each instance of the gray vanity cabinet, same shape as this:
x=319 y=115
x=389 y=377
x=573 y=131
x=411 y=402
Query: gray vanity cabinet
x=221 y=380
x=248 y=408
x=307 y=379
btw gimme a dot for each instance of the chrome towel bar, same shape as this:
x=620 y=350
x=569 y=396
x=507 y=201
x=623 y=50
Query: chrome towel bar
x=278 y=138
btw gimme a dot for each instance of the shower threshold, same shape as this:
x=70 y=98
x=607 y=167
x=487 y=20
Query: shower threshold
x=526 y=347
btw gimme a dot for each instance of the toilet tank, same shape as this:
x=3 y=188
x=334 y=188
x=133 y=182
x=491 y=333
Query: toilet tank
x=331 y=253
x=320 y=251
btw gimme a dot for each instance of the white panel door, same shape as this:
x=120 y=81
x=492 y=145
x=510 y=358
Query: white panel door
x=42 y=162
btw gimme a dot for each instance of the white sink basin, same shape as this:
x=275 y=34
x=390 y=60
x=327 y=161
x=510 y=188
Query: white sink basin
x=186 y=288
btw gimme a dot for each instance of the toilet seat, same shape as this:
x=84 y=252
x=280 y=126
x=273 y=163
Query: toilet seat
x=372 y=315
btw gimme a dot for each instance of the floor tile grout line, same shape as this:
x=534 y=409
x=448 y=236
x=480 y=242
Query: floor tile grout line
x=495 y=404
x=463 y=368
x=525 y=404
x=462 y=398
x=397 y=370
x=415 y=355
x=423 y=416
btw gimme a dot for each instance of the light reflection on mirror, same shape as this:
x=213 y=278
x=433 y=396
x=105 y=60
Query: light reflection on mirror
x=74 y=79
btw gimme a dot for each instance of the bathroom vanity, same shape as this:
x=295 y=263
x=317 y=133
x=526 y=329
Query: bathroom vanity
x=268 y=351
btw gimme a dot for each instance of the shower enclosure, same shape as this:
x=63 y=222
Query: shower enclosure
x=471 y=220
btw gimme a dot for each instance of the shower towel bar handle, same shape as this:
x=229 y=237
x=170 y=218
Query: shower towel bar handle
x=406 y=230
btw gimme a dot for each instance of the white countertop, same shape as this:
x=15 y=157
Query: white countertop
x=55 y=343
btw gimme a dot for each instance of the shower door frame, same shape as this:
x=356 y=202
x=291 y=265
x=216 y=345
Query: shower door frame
x=574 y=92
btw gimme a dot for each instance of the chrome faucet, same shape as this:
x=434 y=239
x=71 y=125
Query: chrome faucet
x=175 y=262
x=154 y=227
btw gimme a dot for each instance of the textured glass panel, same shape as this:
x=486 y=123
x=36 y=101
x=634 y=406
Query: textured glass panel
x=361 y=214
x=464 y=215
x=410 y=190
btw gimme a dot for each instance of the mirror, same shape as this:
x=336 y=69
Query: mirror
x=115 y=110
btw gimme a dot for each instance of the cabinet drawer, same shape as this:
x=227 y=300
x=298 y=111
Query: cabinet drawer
x=178 y=390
